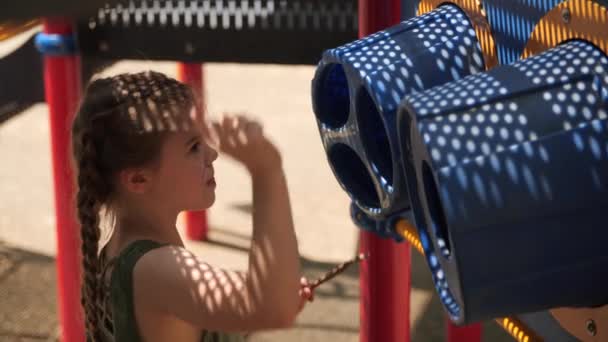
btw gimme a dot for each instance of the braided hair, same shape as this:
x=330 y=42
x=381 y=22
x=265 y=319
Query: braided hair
x=121 y=123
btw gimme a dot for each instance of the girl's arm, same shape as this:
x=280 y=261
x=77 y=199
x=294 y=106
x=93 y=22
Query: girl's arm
x=274 y=259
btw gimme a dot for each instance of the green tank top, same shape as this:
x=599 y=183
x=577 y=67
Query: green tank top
x=118 y=323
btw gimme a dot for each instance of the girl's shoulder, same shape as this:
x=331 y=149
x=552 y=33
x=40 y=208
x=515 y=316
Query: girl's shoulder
x=138 y=248
x=159 y=269
x=117 y=280
x=127 y=257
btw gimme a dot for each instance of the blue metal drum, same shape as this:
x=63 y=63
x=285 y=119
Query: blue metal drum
x=507 y=173
x=357 y=89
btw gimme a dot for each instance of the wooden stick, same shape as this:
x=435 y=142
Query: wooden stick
x=337 y=270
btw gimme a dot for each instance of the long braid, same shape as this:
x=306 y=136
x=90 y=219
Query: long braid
x=88 y=204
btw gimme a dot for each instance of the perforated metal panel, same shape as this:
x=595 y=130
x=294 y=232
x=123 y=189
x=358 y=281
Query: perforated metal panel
x=247 y=31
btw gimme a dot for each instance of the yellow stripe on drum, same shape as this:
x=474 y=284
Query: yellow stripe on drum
x=571 y=19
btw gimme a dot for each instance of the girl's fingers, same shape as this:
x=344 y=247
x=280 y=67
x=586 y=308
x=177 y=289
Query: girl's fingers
x=228 y=124
x=250 y=129
x=226 y=140
x=247 y=124
x=242 y=128
x=254 y=129
x=308 y=294
x=210 y=131
x=217 y=129
x=230 y=131
x=305 y=291
x=247 y=131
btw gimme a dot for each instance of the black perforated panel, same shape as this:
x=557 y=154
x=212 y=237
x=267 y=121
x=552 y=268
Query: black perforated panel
x=256 y=31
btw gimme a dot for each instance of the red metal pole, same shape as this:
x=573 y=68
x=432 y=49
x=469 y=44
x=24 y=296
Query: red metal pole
x=385 y=277
x=385 y=290
x=192 y=74
x=467 y=333
x=376 y=15
x=62 y=91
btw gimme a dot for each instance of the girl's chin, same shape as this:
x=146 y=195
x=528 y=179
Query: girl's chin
x=209 y=202
x=204 y=205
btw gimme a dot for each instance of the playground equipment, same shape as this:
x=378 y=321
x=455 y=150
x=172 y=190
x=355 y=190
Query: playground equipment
x=20 y=88
x=358 y=87
x=27 y=9
x=9 y=29
x=480 y=156
x=503 y=35
x=496 y=171
x=218 y=31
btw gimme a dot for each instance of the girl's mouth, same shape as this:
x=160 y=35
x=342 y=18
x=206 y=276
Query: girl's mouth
x=211 y=182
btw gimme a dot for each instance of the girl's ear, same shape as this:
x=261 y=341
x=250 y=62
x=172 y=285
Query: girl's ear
x=136 y=180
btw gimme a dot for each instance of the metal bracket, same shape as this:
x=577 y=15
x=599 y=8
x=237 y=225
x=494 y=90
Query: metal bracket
x=55 y=44
x=384 y=228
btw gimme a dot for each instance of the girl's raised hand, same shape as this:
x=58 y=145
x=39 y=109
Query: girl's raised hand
x=243 y=139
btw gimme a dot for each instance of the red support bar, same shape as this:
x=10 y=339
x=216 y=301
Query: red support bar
x=376 y=15
x=192 y=74
x=467 y=333
x=62 y=91
x=384 y=277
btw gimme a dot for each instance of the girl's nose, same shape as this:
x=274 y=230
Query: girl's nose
x=211 y=154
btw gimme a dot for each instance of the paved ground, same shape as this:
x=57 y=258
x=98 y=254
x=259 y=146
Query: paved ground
x=279 y=97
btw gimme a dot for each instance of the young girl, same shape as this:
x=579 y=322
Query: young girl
x=140 y=148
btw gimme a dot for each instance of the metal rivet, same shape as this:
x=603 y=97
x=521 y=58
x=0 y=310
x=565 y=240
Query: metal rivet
x=591 y=327
x=103 y=46
x=566 y=15
x=189 y=48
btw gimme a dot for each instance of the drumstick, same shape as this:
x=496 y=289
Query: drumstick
x=337 y=270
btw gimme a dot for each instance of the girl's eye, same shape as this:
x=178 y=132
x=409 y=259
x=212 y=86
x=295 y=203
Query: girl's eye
x=195 y=147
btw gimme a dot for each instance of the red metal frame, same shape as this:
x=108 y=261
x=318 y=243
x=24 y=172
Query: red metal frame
x=384 y=281
x=467 y=333
x=385 y=277
x=195 y=221
x=62 y=84
x=376 y=15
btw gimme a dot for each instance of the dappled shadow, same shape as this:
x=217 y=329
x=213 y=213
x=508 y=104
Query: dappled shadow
x=311 y=269
x=27 y=295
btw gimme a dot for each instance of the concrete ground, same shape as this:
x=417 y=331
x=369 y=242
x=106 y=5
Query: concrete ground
x=280 y=97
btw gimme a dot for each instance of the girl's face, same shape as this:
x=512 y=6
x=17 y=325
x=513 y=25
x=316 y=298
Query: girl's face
x=185 y=177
